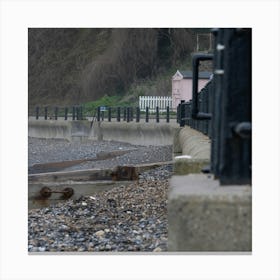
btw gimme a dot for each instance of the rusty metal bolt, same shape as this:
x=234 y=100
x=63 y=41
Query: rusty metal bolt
x=68 y=192
x=46 y=192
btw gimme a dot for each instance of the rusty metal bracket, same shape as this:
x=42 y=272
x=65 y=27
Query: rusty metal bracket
x=46 y=192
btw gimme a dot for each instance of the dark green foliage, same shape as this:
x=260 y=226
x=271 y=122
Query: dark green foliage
x=69 y=66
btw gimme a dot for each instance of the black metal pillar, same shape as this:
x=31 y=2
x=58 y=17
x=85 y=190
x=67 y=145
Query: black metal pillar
x=65 y=113
x=46 y=113
x=55 y=113
x=118 y=114
x=37 y=113
x=137 y=114
x=157 y=114
x=147 y=114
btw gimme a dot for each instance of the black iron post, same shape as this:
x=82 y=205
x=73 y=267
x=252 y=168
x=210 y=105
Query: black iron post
x=167 y=114
x=77 y=113
x=178 y=113
x=137 y=114
x=73 y=113
x=235 y=157
x=124 y=113
x=182 y=113
x=109 y=114
x=37 y=113
x=55 y=113
x=157 y=114
x=196 y=114
x=65 y=113
x=128 y=114
x=81 y=112
x=118 y=114
x=46 y=113
x=147 y=114
x=98 y=113
x=131 y=113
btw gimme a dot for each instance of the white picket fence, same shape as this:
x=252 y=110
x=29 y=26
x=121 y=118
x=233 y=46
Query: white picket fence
x=155 y=101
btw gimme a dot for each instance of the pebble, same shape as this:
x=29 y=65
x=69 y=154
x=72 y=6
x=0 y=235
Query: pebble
x=157 y=249
x=99 y=233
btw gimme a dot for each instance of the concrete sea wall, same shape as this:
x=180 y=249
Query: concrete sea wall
x=202 y=215
x=192 y=151
x=134 y=133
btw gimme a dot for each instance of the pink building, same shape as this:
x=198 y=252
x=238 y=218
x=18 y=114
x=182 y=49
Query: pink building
x=182 y=85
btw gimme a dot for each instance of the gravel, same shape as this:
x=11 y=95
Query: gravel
x=55 y=150
x=50 y=150
x=126 y=218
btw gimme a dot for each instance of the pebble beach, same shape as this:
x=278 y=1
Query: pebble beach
x=128 y=218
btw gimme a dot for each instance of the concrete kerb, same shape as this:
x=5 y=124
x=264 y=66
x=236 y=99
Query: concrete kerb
x=193 y=144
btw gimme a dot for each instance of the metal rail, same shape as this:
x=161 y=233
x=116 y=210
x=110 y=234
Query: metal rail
x=223 y=108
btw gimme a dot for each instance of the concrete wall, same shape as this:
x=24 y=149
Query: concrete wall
x=195 y=146
x=205 y=217
x=202 y=215
x=194 y=143
x=49 y=129
x=135 y=133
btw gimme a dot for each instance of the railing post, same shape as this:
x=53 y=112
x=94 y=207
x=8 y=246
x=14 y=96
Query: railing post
x=55 y=113
x=98 y=113
x=46 y=113
x=124 y=113
x=147 y=114
x=73 y=113
x=118 y=114
x=137 y=114
x=128 y=114
x=182 y=113
x=131 y=113
x=196 y=114
x=81 y=112
x=65 y=113
x=37 y=113
x=167 y=114
x=178 y=113
x=109 y=114
x=157 y=114
x=78 y=115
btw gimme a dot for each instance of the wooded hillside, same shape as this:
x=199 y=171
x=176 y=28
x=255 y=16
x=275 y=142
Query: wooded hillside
x=69 y=66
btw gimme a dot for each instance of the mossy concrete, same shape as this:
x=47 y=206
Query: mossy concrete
x=189 y=166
